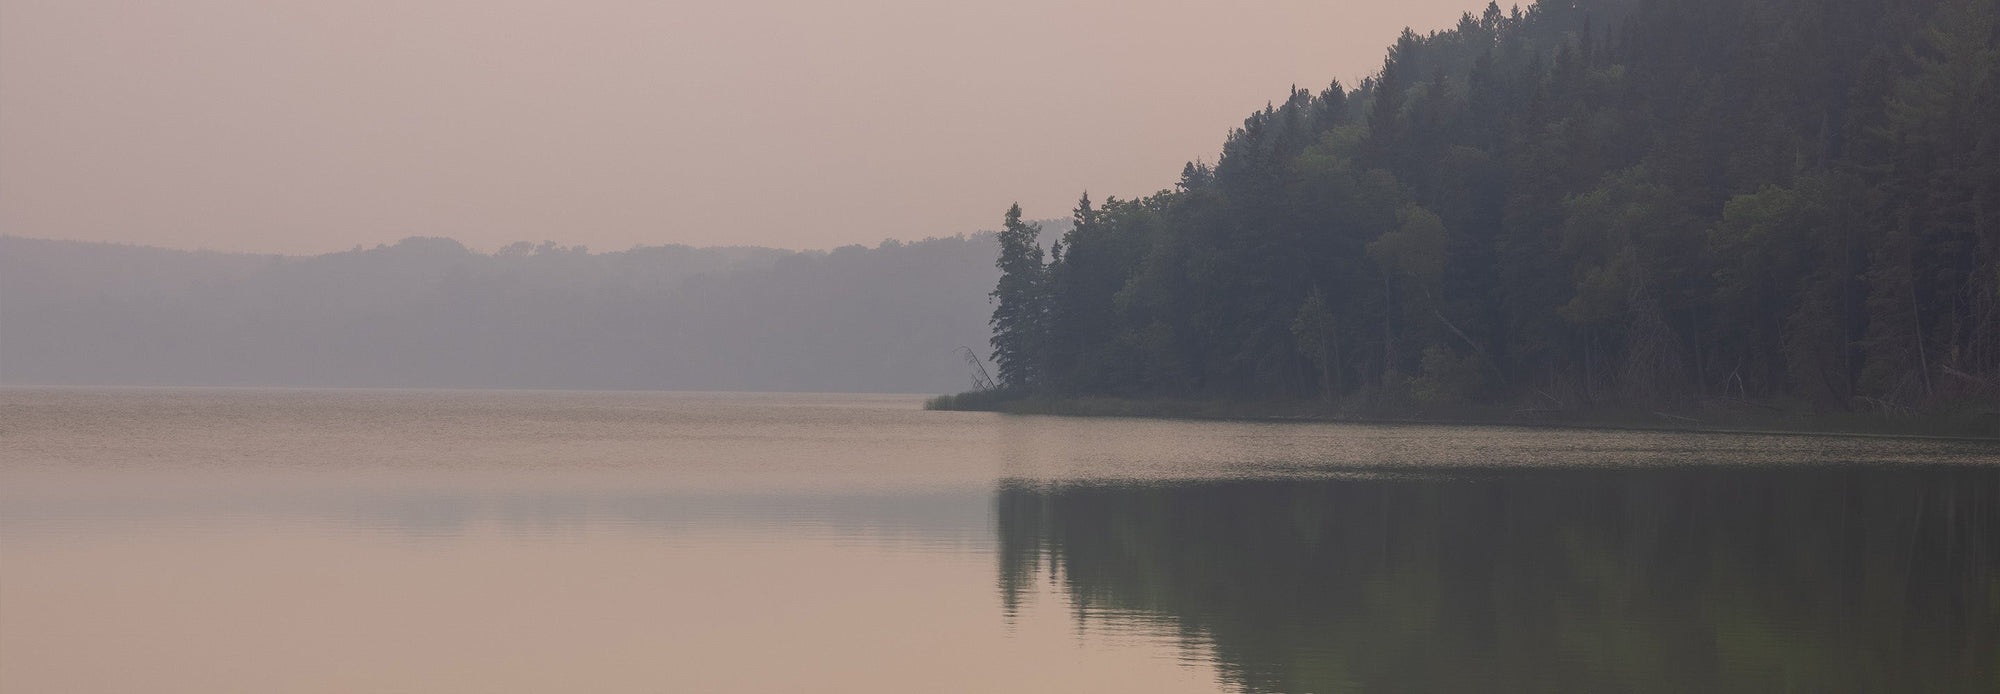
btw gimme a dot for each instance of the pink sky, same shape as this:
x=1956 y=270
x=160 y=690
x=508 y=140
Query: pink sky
x=302 y=126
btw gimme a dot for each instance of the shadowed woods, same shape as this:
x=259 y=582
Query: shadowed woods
x=1713 y=210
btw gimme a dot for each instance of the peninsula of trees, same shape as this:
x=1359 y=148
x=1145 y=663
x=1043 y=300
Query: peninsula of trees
x=1655 y=205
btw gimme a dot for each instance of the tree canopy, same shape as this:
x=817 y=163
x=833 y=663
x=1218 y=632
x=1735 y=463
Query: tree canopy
x=1632 y=202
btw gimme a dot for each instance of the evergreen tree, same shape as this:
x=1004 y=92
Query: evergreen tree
x=1020 y=313
x=1648 y=203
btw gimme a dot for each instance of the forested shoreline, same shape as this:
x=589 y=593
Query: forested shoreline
x=1693 y=208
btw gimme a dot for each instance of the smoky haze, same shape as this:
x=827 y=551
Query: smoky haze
x=308 y=127
x=428 y=312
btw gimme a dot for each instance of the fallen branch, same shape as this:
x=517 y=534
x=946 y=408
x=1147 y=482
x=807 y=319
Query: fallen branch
x=981 y=381
x=1675 y=416
x=1885 y=405
x=1746 y=403
x=1948 y=371
x=1559 y=403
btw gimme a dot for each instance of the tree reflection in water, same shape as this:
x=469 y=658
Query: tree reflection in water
x=1824 y=579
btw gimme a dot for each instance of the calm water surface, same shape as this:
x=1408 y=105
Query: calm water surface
x=430 y=541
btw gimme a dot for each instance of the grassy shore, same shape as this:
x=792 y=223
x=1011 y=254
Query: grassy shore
x=1963 y=422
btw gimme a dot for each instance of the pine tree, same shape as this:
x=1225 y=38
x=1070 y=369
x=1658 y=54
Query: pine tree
x=1020 y=313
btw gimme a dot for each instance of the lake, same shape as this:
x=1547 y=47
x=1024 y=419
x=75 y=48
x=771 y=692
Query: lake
x=214 y=540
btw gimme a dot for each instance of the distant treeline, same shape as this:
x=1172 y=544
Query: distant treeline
x=1585 y=203
x=427 y=312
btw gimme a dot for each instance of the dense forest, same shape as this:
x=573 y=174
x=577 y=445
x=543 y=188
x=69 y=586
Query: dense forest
x=1580 y=204
x=428 y=312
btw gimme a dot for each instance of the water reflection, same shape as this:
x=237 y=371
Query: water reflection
x=933 y=519
x=169 y=540
x=1670 y=580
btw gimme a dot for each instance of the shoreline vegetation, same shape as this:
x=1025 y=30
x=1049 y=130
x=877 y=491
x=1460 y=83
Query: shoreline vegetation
x=1972 y=422
x=1738 y=215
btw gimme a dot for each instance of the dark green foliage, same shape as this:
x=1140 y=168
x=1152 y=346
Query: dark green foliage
x=1609 y=202
x=1020 y=313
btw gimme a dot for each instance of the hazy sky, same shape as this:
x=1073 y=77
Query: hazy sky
x=313 y=125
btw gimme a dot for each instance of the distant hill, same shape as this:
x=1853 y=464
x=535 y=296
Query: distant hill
x=427 y=312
